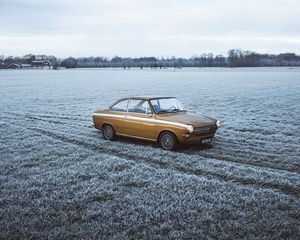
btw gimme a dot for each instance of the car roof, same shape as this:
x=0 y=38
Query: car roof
x=145 y=97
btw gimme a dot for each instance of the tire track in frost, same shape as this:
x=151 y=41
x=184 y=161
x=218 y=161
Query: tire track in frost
x=247 y=146
x=289 y=190
x=222 y=158
x=185 y=169
x=263 y=164
x=228 y=157
x=219 y=156
x=237 y=145
x=33 y=118
x=46 y=117
x=237 y=149
x=250 y=144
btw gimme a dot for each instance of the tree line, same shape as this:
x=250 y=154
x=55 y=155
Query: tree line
x=235 y=58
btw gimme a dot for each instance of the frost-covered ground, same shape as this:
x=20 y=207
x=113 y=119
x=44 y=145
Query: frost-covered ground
x=60 y=179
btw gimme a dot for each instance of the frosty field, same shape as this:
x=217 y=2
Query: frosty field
x=60 y=179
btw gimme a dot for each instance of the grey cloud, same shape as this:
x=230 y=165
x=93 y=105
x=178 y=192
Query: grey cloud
x=143 y=27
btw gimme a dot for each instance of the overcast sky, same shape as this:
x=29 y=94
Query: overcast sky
x=180 y=28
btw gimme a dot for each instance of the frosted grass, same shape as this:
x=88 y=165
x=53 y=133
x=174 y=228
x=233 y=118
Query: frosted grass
x=60 y=179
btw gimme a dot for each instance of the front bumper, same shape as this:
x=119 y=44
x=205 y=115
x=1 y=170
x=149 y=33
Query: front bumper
x=200 y=134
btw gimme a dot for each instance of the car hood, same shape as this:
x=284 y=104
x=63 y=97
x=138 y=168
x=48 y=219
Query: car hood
x=187 y=118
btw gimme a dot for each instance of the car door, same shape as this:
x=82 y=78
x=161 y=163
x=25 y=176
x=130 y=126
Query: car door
x=140 y=121
x=117 y=116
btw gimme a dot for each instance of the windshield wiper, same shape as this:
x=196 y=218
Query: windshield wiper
x=162 y=111
x=171 y=111
x=177 y=110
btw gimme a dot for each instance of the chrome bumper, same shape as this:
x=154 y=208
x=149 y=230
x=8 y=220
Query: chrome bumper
x=202 y=132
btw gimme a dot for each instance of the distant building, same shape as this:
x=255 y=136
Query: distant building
x=14 y=66
x=34 y=64
x=25 y=66
x=40 y=64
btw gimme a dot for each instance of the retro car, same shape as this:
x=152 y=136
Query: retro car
x=159 y=119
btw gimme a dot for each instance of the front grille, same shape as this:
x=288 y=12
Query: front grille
x=206 y=129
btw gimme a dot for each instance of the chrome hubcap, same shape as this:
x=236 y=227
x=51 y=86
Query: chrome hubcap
x=167 y=141
x=108 y=132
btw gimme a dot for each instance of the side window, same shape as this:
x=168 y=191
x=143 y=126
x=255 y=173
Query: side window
x=120 y=106
x=139 y=106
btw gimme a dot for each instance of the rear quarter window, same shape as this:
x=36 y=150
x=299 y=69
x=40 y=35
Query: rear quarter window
x=120 y=106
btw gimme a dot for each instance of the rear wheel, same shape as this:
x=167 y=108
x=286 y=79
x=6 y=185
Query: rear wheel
x=108 y=132
x=168 y=141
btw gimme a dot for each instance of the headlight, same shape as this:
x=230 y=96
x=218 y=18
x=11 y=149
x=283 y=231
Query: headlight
x=190 y=128
x=218 y=123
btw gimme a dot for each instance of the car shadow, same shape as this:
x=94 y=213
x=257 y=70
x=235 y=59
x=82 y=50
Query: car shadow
x=188 y=148
x=137 y=142
x=195 y=147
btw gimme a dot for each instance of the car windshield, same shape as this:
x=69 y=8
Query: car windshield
x=167 y=105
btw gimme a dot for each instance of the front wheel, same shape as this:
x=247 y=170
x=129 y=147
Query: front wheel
x=168 y=141
x=108 y=132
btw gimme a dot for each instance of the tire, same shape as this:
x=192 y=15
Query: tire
x=168 y=141
x=108 y=132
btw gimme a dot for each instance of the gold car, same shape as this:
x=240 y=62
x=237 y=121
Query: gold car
x=158 y=119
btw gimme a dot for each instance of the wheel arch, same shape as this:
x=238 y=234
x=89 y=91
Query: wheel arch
x=106 y=123
x=166 y=130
